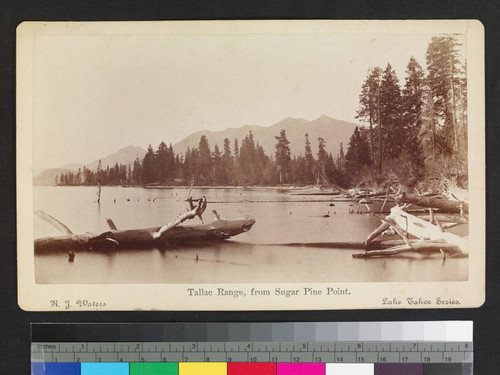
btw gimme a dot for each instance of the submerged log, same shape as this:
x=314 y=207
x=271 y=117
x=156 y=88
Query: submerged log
x=444 y=205
x=342 y=245
x=419 y=247
x=137 y=238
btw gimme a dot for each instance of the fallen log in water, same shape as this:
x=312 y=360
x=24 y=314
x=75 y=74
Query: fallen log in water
x=444 y=205
x=172 y=232
x=137 y=238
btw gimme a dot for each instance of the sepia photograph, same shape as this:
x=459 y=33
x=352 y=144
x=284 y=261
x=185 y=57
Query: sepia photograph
x=250 y=165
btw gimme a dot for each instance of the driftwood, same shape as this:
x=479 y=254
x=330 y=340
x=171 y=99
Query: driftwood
x=137 y=238
x=432 y=238
x=444 y=205
x=425 y=230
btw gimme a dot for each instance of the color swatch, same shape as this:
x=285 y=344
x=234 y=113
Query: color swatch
x=154 y=369
x=202 y=368
x=243 y=368
x=220 y=368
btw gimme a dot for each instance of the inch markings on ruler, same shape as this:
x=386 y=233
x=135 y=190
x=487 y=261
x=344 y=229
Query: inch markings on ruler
x=253 y=352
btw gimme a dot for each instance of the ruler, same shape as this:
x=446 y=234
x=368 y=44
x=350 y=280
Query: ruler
x=288 y=352
x=433 y=347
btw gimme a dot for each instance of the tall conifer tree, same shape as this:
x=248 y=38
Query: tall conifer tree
x=283 y=159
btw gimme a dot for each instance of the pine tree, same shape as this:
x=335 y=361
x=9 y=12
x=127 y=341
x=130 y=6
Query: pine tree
x=148 y=167
x=427 y=132
x=179 y=167
x=236 y=163
x=205 y=161
x=341 y=158
x=194 y=167
x=260 y=164
x=251 y=150
x=369 y=103
x=246 y=160
x=236 y=149
x=412 y=100
x=358 y=153
x=283 y=159
x=413 y=114
x=186 y=166
x=309 y=162
x=322 y=159
x=330 y=170
x=443 y=65
x=392 y=141
x=171 y=164
x=227 y=162
x=161 y=164
x=79 y=176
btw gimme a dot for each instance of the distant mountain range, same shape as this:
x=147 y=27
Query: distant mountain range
x=332 y=131
x=125 y=155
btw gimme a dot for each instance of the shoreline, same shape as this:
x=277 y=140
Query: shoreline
x=312 y=189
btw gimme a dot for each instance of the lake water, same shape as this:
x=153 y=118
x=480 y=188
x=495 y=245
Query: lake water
x=256 y=256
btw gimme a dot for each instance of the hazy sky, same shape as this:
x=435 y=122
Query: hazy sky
x=96 y=94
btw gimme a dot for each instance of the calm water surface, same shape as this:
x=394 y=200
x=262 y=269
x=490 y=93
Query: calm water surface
x=281 y=217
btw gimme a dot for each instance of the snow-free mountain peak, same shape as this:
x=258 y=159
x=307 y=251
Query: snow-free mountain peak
x=331 y=130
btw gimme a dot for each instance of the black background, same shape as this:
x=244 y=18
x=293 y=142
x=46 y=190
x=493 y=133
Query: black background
x=15 y=323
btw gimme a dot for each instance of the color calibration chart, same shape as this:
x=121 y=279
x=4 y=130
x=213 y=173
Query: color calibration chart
x=342 y=348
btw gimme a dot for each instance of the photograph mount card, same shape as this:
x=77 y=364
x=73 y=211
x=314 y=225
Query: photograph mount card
x=250 y=165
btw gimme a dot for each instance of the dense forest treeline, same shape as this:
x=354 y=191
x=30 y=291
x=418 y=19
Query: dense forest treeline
x=414 y=133
x=234 y=165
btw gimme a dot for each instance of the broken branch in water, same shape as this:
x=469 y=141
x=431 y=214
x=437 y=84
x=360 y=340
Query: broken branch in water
x=111 y=224
x=382 y=228
x=52 y=220
x=216 y=214
x=389 y=221
x=195 y=211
